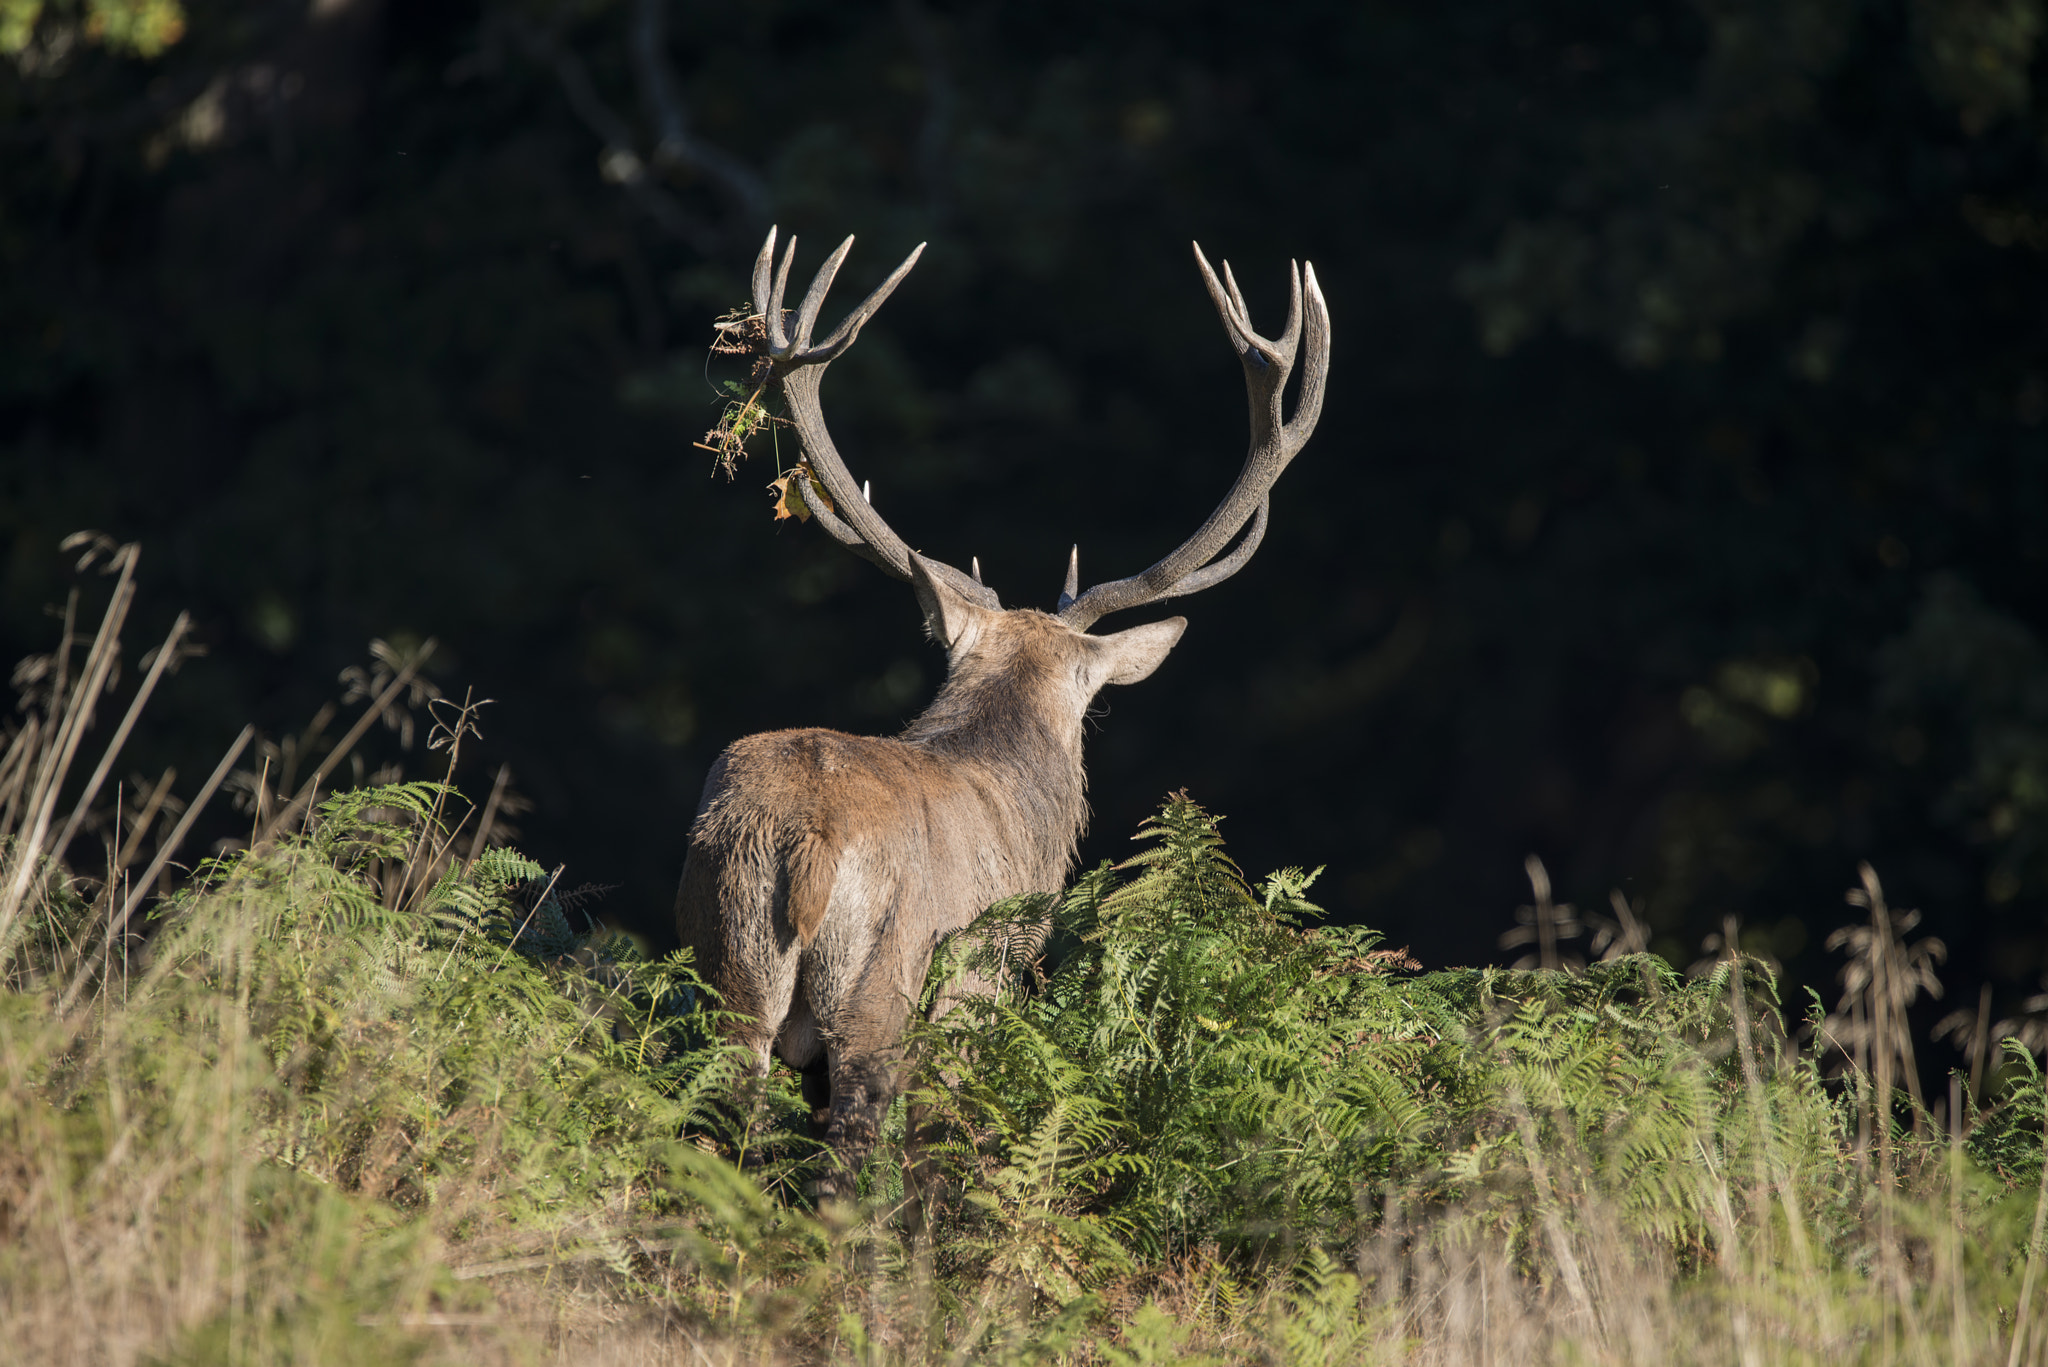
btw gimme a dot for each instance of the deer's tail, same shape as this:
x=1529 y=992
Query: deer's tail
x=813 y=864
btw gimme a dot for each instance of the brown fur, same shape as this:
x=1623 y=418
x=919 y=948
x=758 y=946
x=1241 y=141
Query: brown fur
x=824 y=868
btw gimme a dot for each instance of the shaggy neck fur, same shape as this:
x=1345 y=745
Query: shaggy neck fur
x=1013 y=708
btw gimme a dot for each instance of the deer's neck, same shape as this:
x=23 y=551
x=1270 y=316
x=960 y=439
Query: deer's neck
x=1024 y=738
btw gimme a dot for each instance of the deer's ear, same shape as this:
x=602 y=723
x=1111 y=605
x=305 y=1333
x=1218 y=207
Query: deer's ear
x=1134 y=654
x=951 y=619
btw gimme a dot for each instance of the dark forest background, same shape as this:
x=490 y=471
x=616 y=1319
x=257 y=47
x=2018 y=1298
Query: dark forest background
x=1676 y=515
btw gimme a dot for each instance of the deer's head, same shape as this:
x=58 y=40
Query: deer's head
x=1051 y=655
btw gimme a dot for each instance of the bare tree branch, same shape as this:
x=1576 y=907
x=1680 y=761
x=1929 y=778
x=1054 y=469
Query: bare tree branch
x=620 y=162
x=675 y=145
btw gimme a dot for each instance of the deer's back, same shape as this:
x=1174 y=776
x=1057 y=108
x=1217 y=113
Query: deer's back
x=798 y=825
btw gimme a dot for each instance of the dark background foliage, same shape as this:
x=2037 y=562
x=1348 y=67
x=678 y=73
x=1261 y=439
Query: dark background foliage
x=1676 y=513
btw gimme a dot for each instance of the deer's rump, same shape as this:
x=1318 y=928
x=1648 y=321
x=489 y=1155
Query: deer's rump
x=822 y=869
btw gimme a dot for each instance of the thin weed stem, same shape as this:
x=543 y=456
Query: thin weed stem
x=490 y=817
x=302 y=801
x=165 y=656
x=71 y=723
x=2020 y=1325
x=163 y=857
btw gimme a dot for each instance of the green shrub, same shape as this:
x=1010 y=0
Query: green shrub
x=1194 y=1065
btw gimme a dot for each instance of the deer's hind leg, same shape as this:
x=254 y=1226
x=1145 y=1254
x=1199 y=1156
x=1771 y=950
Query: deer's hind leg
x=729 y=910
x=768 y=993
x=865 y=1057
x=863 y=1085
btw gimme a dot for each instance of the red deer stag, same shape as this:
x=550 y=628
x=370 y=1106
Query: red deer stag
x=823 y=868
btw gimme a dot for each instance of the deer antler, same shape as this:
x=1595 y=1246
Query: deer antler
x=1193 y=566
x=800 y=366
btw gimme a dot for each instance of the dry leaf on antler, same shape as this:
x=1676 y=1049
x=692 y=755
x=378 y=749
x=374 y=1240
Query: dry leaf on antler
x=794 y=489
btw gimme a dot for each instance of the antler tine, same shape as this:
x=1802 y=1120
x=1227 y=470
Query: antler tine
x=764 y=267
x=800 y=366
x=1227 y=308
x=1291 y=334
x=1274 y=444
x=775 y=331
x=814 y=298
x=849 y=327
x=1244 y=315
x=768 y=293
x=768 y=285
x=1308 y=404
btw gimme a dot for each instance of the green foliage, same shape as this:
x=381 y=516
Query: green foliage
x=402 y=1045
x=2007 y=1140
x=56 y=920
x=1173 y=1068
x=141 y=27
x=1197 y=1066
x=1152 y=1339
